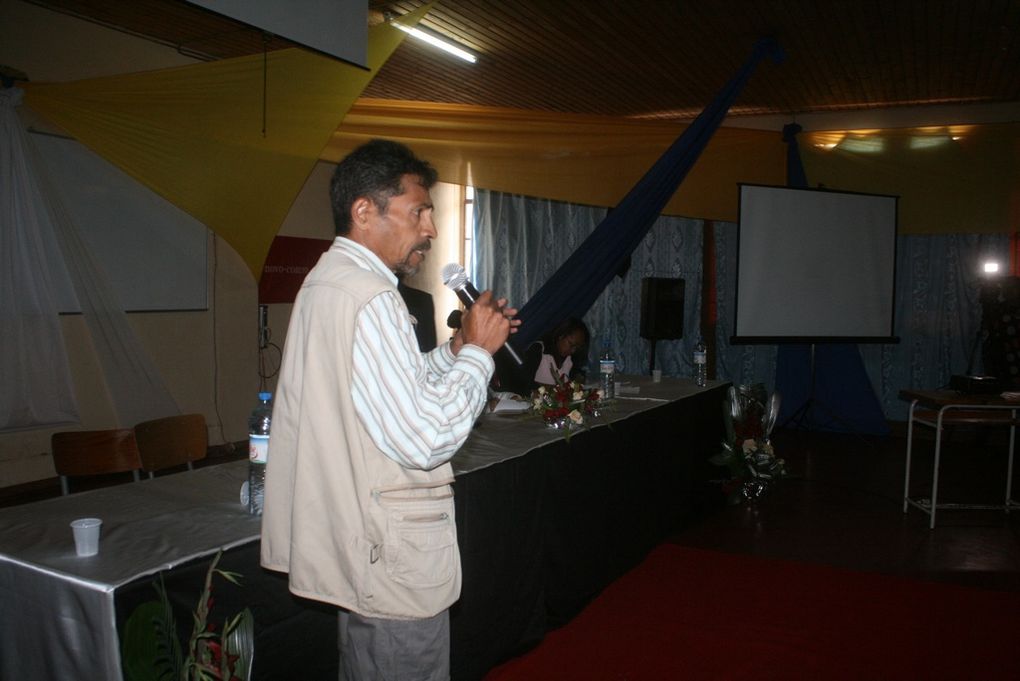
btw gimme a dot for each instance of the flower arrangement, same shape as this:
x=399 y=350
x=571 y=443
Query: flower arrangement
x=749 y=414
x=151 y=648
x=566 y=404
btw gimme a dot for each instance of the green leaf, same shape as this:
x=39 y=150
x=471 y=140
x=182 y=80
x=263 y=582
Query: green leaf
x=139 y=647
x=150 y=650
x=232 y=577
x=239 y=640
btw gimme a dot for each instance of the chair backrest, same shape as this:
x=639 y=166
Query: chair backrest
x=172 y=441
x=94 y=452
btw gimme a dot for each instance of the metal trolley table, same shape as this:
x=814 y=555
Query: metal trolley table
x=941 y=408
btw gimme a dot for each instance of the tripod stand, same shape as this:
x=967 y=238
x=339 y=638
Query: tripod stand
x=801 y=417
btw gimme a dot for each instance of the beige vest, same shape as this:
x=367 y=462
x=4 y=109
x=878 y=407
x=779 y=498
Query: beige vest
x=350 y=526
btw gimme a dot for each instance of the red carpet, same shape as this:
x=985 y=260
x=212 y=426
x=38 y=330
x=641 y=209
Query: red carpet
x=692 y=614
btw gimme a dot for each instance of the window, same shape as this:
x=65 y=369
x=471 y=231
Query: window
x=468 y=255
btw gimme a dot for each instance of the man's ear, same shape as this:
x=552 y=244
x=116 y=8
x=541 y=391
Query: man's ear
x=361 y=212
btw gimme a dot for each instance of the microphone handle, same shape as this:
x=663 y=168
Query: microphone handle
x=468 y=294
x=513 y=354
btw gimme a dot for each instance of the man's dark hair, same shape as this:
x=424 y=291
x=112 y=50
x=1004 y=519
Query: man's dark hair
x=374 y=170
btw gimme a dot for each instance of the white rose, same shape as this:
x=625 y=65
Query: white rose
x=576 y=417
x=578 y=395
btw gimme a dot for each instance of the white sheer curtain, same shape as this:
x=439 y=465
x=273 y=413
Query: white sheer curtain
x=135 y=386
x=36 y=380
x=520 y=241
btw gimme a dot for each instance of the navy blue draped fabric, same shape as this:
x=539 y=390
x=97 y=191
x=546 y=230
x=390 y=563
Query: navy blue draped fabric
x=795 y=175
x=827 y=387
x=572 y=289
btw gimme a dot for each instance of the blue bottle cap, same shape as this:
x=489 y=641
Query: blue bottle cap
x=265 y=396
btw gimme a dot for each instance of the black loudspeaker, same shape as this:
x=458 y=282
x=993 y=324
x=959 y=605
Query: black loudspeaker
x=662 y=308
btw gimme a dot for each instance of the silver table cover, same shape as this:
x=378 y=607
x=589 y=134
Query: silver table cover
x=57 y=618
x=498 y=437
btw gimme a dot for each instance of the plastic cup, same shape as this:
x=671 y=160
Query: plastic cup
x=86 y=535
x=656 y=375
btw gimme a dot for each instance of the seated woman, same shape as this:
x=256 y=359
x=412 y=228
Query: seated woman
x=563 y=350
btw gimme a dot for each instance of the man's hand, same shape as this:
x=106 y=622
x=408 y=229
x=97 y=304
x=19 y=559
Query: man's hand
x=487 y=323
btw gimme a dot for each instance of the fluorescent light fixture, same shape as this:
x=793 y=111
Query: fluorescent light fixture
x=435 y=41
x=928 y=141
x=991 y=267
x=863 y=144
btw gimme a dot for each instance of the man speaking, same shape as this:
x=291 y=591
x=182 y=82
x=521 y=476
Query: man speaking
x=358 y=503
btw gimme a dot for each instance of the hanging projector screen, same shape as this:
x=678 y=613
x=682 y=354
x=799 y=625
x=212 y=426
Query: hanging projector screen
x=815 y=266
x=338 y=28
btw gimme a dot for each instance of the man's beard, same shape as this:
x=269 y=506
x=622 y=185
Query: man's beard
x=405 y=268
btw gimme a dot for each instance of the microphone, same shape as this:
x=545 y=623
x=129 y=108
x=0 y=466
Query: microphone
x=456 y=280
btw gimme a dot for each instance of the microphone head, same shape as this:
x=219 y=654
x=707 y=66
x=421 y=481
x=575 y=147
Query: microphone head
x=454 y=276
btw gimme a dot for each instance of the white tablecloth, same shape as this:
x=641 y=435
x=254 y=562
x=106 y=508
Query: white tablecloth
x=57 y=617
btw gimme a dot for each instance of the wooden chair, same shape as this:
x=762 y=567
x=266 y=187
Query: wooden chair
x=172 y=441
x=94 y=452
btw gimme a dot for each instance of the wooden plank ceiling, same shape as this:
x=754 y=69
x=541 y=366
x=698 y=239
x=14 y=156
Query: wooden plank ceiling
x=654 y=58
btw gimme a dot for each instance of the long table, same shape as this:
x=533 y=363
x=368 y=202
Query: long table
x=544 y=524
x=57 y=615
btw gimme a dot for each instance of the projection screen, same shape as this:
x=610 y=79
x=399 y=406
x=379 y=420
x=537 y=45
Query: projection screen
x=814 y=266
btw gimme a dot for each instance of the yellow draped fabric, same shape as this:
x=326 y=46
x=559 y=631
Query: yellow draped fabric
x=591 y=160
x=196 y=134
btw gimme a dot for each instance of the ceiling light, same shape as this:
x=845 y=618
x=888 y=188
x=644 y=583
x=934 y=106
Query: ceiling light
x=825 y=140
x=928 y=141
x=863 y=144
x=435 y=41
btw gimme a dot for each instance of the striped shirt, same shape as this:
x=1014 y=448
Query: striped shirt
x=418 y=409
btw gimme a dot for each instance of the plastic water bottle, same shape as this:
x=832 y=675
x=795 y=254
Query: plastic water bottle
x=258 y=451
x=607 y=373
x=700 y=363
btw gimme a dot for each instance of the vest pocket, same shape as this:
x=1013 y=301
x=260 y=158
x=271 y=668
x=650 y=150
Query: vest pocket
x=421 y=543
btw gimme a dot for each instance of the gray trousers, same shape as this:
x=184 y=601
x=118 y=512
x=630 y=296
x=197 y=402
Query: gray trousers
x=375 y=649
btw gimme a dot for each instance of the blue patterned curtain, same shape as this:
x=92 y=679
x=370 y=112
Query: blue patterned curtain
x=520 y=241
x=938 y=314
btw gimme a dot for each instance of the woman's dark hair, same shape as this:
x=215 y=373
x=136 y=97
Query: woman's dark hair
x=565 y=328
x=374 y=170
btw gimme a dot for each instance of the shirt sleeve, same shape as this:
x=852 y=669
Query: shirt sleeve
x=418 y=409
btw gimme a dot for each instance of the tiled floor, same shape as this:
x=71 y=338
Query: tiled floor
x=842 y=505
